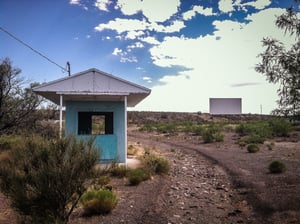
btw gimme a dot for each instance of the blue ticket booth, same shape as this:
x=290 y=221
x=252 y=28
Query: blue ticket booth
x=96 y=106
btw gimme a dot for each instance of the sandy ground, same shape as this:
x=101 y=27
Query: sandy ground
x=208 y=183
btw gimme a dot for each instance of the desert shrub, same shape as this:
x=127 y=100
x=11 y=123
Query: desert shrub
x=219 y=137
x=136 y=176
x=98 y=201
x=47 y=129
x=148 y=127
x=197 y=129
x=280 y=127
x=8 y=142
x=212 y=134
x=155 y=165
x=166 y=128
x=254 y=139
x=277 y=167
x=208 y=136
x=261 y=128
x=45 y=179
x=270 y=146
x=254 y=132
x=242 y=143
x=242 y=129
x=118 y=170
x=252 y=148
x=103 y=180
x=131 y=150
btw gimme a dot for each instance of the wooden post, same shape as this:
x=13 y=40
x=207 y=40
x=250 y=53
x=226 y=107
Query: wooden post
x=125 y=120
x=60 y=114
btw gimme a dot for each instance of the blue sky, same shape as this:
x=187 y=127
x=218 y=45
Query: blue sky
x=185 y=51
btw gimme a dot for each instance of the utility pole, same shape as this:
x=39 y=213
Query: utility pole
x=69 y=68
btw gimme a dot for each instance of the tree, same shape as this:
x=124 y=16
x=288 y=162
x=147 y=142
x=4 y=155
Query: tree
x=282 y=65
x=45 y=179
x=17 y=105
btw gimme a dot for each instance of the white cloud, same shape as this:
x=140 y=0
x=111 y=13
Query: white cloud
x=133 y=34
x=123 y=25
x=135 y=27
x=128 y=59
x=103 y=4
x=88 y=36
x=153 y=10
x=259 y=4
x=176 y=26
x=226 y=6
x=150 y=40
x=215 y=64
x=74 y=2
x=147 y=79
x=78 y=2
x=124 y=56
x=197 y=9
x=136 y=45
x=117 y=51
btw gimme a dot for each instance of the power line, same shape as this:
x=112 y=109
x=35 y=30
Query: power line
x=37 y=52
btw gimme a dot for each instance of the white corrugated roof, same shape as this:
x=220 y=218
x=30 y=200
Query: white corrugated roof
x=93 y=85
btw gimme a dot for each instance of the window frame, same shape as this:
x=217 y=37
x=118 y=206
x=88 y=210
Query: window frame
x=85 y=124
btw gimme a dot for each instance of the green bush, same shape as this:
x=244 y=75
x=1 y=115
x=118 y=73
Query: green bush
x=260 y=128
x=8 y=142
x=212 y=134
x=259 y=131
x=103 y=180
x=136 y=176
x=219 y=137
x=149 y=127
x=155 y=165
x=277 y=167
x=117 y=170
x=252 y=148
x=208 y=136
x=166 y=128
x=242 y=143
x=254 y=139
x=280 y=127
x=45 y=179
x=197 y=129
x=98 y=201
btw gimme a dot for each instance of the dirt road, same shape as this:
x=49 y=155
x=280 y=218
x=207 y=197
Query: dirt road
x=252 y=195
x=208 y=183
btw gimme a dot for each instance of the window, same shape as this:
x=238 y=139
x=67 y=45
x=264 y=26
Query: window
x=95 y=123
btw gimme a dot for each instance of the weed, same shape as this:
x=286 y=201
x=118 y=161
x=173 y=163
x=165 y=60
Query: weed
x=276 y=167
x=131 y=150
x=103 y=180
x=98 y=201
x=117 y=170
x=212 y=134
x=197 y=129
x=136 y=176
x=252 y=148
x=270 y=146
x=242 y=143
x=8 y=142
x=155 y=165
x=280 y=127
x=45 y=179
x=261 y=129
x=254 y=139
